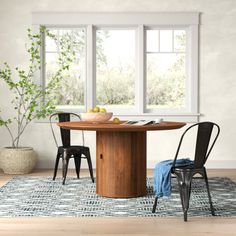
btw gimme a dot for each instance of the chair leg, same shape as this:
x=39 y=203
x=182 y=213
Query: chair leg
x=208 y=192
x=77 y=160
x=90 y=165
x=185 y=195
x=56 y=165
x=184 y=181
x=154 y=205
x=185 y=216
x=65 y=161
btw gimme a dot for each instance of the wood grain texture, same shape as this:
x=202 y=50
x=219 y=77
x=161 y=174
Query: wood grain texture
x=110 y=126
x=121 y=155
x=121 y=164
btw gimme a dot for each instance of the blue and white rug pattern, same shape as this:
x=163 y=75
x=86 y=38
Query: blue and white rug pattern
x=42 y=197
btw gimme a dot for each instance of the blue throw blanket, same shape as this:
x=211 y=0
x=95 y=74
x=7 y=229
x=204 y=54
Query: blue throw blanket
x=162 y=176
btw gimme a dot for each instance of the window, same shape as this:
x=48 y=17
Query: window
x=134 y=64
x=115 y=68
x=72 y=87
x=166 y=69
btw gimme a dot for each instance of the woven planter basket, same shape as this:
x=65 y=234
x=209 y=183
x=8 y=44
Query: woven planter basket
x=20 y=160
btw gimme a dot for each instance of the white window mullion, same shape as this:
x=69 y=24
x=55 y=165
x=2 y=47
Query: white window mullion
x=40 y=75
x=91 y=67
x=140 y=97
x=193 y=68
x=173 y=46
x=43 y=63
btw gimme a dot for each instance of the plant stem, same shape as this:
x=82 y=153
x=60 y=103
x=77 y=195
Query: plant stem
x=9 y=131
x=21 y=116
x=18 y=136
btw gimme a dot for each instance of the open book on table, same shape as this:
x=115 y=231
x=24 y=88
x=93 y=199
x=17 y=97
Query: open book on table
x=142 y=122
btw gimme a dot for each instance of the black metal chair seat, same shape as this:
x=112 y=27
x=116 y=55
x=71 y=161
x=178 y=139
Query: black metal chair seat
x=185 y=174
x=180 y=168
x=74 y=149
x=67 y=151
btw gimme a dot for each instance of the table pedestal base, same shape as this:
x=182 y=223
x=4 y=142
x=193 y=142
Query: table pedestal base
x=121 y=164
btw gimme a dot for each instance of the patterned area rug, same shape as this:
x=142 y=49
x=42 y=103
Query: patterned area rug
x=40 y=196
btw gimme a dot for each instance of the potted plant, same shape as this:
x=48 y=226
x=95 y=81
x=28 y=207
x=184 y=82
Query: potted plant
x=30 y=100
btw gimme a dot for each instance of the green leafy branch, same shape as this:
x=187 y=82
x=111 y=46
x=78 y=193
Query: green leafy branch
x=32 y=100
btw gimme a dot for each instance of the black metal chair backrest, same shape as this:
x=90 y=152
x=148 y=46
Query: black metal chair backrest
x=202 y=148
x=65 y=133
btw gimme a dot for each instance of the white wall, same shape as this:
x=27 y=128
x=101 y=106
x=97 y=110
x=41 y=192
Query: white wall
x=217 y=70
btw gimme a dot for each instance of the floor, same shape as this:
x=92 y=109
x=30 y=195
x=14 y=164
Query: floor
x=117 y=226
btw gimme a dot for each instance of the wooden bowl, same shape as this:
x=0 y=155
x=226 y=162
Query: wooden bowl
x=96 y=117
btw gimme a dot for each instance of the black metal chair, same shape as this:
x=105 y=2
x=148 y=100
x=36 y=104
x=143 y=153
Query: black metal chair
x=67 y=151
x=185 y=174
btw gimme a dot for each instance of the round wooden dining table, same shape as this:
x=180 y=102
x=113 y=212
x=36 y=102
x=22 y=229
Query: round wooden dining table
x=120 y=155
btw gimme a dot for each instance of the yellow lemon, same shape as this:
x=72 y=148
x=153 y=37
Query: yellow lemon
x=116 y=120
x=103 y=110
x=90 y=110
x=96 y=109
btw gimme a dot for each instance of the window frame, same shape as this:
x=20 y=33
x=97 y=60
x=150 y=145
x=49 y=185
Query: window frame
x=187 y=52
x=43 y=65
x=119 y=111
x=139 y=21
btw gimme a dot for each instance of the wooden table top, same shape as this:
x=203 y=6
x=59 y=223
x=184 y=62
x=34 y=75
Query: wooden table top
x=111 y=126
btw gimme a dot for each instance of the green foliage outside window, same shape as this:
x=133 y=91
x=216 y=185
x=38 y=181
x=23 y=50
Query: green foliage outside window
x=164 y=90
